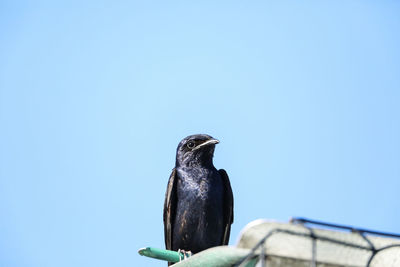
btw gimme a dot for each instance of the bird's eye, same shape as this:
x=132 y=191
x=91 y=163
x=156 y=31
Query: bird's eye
x=190 y=144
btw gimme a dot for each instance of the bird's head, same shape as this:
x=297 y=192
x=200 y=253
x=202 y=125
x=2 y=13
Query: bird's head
x=195 y=150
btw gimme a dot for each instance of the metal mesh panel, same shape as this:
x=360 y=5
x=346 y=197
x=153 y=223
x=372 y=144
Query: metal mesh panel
x=319 y=247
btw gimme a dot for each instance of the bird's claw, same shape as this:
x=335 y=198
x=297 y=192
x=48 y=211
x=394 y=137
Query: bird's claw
x=184 y=253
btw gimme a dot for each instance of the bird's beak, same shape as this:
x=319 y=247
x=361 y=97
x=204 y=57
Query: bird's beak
x=206 y=143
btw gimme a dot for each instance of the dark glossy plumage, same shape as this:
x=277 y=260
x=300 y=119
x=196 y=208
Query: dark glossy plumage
x=198 y=208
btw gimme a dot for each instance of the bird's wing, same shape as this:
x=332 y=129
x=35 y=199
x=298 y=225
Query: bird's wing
x=228 y=206
x=169 y=209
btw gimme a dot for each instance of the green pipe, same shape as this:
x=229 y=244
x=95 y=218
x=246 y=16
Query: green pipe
x=163 y=254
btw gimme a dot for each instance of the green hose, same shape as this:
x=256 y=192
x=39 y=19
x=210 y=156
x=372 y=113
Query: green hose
x=163 y=254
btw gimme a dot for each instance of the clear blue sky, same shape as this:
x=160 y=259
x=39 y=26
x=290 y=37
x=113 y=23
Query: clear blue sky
x=95 y=96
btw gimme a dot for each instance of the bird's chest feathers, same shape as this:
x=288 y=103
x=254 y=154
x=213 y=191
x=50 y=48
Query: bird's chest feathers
x=199 y=185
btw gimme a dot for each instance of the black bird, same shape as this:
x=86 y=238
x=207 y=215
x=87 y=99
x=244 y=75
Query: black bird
x=198 y=208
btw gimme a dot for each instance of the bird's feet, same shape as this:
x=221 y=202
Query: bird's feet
x=184 y=254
